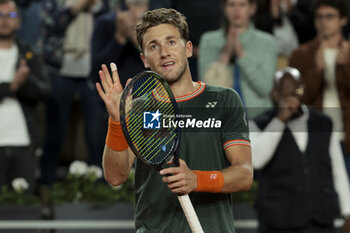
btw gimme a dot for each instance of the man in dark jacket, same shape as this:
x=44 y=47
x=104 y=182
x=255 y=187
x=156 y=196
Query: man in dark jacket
x=301 y=170
x=22 y=87
x=324 y=63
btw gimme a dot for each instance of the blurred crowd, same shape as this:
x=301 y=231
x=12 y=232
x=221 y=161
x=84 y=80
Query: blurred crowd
x=289 y=60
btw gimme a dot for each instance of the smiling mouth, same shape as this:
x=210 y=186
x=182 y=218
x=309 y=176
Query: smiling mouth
x=167 y=64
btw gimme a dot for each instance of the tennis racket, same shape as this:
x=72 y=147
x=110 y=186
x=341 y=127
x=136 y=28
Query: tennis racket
x=147 y=101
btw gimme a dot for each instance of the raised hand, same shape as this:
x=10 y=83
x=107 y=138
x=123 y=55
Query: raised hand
x=319 y=58
x=21 y=75
x=112 y=90
x=288 y=107
x=343 y=53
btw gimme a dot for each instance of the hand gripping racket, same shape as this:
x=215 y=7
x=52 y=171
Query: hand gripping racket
x=147 y=101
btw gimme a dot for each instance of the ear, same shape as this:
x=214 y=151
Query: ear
x=274 y=95
x=343 y=21
x=144 y=59
x=189 y=49
x=18 y=23
x=252 y=9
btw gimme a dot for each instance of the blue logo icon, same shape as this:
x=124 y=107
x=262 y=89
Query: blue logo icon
x=164 y=148
x=151 y=120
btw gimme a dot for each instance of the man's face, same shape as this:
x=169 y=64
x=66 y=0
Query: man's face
x=165 y=52
x=239 y=12
x=328 y=21
x=287 y=90
x=9 y=20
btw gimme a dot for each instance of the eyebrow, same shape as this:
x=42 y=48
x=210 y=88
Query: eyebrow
x=156 y=41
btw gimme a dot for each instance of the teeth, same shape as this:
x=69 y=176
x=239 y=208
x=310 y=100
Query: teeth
x=168 y=63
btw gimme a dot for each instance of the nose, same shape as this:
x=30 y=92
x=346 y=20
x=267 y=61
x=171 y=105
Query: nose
x=164 y=51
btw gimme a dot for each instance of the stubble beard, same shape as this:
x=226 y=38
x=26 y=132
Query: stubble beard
x=8 y=36
x=175 y=77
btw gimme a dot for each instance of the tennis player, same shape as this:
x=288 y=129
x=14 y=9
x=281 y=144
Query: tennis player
x=215 y=154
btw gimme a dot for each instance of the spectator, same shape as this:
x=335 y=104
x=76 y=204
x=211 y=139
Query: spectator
x=239 y=56
x=30 y=11
x=274 y=16
x=67 y=31
x=324 y=64
x=22 y=86
x=290 y=21
x=299 y=162
x=114 y=39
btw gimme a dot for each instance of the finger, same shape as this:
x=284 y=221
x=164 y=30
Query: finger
x=174 y=185
x=128 y=81
x=100 y=91
x=172 y=181
x=170 y=170
x=104 y=82
x=107 y=75
x=180 y=190
x=23 y=62
x=115 y=74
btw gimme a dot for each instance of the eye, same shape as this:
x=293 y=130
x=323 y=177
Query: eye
x=172 y=42
x=153 y=46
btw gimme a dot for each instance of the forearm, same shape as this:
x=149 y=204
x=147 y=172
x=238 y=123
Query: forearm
x=117 y=165
x=237 y=178
x=271 y=136
x=340 y=177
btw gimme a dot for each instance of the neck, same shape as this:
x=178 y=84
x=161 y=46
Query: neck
x=184 y=85
x=6 y=43
x=332 y=41
x=241 y=29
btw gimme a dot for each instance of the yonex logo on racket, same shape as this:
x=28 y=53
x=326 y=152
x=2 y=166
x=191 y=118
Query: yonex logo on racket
x=151 y=120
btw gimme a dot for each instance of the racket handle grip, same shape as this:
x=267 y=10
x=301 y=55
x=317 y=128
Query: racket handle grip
x=190 y=214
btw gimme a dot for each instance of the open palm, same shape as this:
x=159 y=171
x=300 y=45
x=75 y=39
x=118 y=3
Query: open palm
x=112 y=90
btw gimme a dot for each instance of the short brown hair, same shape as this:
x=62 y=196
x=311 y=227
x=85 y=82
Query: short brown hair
x=161 y=16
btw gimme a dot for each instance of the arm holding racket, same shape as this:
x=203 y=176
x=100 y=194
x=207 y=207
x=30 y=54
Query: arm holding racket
x=237 y=177
x=116 y=164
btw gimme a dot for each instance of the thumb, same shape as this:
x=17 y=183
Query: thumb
x=23 y=62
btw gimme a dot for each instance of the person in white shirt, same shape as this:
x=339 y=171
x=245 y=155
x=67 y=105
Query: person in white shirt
x=22 y=86
x=299 y=163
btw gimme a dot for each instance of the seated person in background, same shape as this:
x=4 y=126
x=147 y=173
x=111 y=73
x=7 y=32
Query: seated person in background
x=22 y=86
x=301 y=170
x=239 y=56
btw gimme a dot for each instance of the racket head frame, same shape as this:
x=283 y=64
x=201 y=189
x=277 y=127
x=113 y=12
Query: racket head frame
x=174 y=150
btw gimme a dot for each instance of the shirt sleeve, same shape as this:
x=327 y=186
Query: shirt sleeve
x=341 y=180
x=235 y=129
x=271 y=136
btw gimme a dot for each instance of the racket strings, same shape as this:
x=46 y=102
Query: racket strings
x=149 y=95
